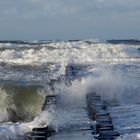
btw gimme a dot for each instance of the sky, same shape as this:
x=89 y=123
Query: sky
x=69 y=19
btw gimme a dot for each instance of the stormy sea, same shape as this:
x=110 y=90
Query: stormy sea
x=111 y=68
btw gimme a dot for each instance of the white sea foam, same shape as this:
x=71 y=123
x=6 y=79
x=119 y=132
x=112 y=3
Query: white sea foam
x=73 y=97
x=71 y=113
x=135 y=136
x=17 y=131
x=117 y=87
x=63 y=52
x=59 y=54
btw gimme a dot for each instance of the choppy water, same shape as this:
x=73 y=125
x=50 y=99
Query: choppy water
x=110 y=68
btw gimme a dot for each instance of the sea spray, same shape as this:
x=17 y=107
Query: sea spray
x=114 y=88
x=72 y=101
x=113 y=73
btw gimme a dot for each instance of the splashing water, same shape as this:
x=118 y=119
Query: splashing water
x=111 y=70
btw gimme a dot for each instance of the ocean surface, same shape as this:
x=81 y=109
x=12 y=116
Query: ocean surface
x=110 y=68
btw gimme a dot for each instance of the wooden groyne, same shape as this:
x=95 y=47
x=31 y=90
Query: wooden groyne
x=101 y=129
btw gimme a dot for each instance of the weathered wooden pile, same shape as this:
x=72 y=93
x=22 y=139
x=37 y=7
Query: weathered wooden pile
x=43 y=133
x=103 y=130
x=40 y=133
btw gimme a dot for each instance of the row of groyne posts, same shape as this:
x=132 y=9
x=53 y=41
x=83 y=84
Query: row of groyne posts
x=102 y=128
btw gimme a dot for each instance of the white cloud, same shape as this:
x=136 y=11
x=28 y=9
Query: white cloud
x=68 y=7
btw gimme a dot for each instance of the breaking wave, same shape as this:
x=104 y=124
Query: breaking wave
x=20 y=103
x=110 y=69
x=59 y=52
